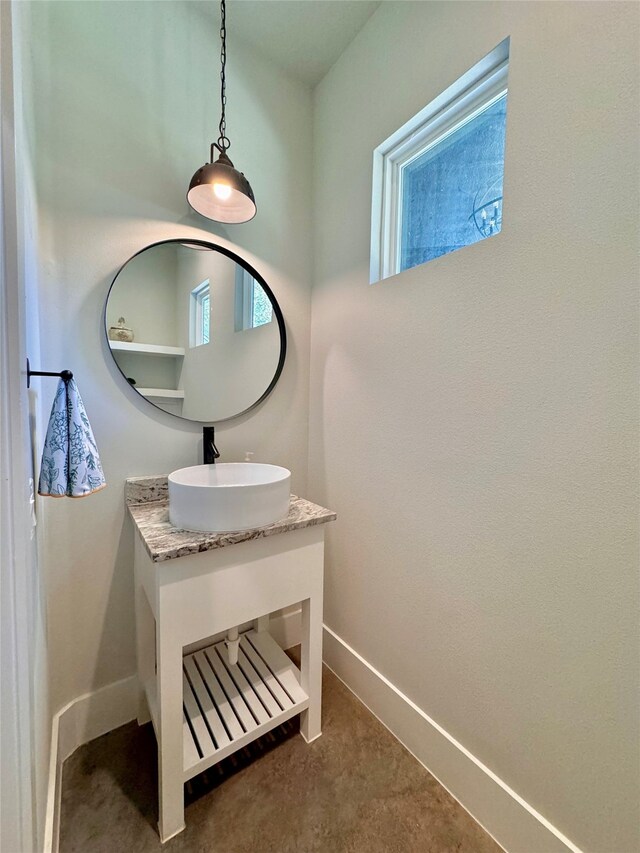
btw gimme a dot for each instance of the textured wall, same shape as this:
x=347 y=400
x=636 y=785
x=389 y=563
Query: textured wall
x=474 y=420
x=125 y=108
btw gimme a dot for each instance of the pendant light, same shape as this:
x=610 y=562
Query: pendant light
x=217 y=190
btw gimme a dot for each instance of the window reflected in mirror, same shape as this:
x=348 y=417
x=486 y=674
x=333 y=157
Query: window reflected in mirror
x=200 y=313
x=253 y=306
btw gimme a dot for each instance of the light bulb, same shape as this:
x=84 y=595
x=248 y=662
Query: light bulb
x=222 y=191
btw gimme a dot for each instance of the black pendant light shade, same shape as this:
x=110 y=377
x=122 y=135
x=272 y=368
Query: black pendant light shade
x=220 y=192
x=217 y=190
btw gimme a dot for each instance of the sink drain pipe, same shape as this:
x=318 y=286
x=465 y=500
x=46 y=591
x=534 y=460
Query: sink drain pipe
x=232 y=642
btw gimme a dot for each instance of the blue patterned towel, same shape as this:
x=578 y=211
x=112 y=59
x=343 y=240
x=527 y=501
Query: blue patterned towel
x=70 y=463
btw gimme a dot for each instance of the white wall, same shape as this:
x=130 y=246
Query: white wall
x=145 y=295
x=125 y=109
x=24 y=680
x=474 y=420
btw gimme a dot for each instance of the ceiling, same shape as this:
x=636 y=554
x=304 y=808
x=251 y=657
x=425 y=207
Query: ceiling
x=303 y=37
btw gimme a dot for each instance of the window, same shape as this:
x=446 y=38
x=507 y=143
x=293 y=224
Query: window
x=253 y=306
x=438 y=180
x=200 y=315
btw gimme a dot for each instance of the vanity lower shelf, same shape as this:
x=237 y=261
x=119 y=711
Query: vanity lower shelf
x=227 y=706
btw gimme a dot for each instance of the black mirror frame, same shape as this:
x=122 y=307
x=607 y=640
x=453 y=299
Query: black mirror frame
x=256 y=275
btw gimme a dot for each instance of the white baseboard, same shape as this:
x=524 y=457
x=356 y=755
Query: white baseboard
x=54 y=792
x=512 y=822
x=103 y=710
x=95 y=714
x=80 y=721
x=503 y=813
x=286 y=628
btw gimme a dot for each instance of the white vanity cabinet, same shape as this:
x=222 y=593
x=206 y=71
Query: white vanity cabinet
x=191 y=586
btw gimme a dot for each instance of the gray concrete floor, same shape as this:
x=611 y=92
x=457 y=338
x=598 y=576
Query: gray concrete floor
x=354 y=790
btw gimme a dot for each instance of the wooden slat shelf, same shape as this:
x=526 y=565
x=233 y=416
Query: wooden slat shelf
x=226 y=706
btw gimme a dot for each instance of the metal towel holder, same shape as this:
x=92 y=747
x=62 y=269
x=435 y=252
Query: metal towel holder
x=65 y=375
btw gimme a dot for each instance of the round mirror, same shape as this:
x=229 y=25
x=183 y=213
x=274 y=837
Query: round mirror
x=195 y=330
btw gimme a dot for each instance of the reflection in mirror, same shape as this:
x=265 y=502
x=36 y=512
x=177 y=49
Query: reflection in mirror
x=195 y=330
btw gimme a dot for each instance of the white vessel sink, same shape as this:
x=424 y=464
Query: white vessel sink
x=228 y=496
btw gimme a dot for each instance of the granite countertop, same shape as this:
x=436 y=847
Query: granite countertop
x=148 y=503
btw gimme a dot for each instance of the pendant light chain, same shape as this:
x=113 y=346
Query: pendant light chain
x=218 y=190
x=223 y=141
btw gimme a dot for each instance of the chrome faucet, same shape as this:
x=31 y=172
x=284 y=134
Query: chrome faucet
x=211 y=452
